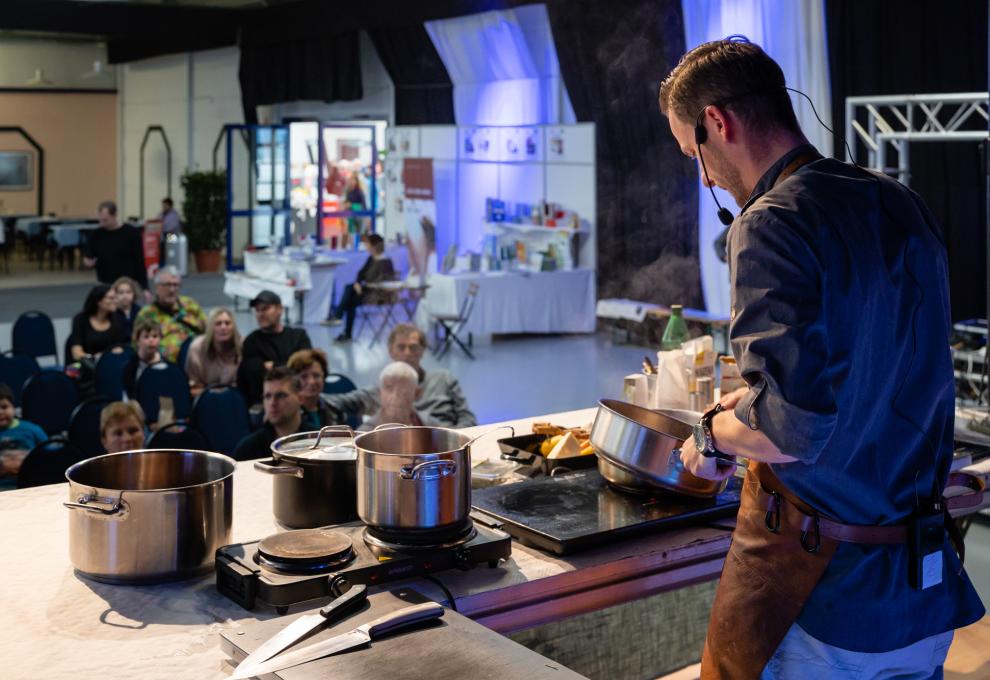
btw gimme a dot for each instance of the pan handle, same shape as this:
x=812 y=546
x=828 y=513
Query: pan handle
x=488 y=432
x=331 y=428
x=116 y=506
x=390 y=426
x=444 y=468
x=269 y=467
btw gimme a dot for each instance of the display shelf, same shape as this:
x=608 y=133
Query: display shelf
x=536 y=228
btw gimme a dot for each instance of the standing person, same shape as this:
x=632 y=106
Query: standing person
x=17 y=438
x=178 y=316
x=283 y=414
x=147 y=343
x=96 y=328
x=840 y=321
x=214 y=357
x=439 y=399
x=269 y=346
x=376 y=268
x=310 y=367
x=171 y=222
x=115 y=249
x=128 y=293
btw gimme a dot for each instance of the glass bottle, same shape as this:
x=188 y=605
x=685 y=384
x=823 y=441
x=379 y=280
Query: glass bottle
x=676 y=331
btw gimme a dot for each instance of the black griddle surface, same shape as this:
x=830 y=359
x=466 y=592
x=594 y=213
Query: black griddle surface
x=580 y=510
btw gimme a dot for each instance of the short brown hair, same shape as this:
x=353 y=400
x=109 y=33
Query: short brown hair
x=280 y=373
x=145 y=326
x=304 y=358
x=403 y=329
x=120 y=410
x=732 y=73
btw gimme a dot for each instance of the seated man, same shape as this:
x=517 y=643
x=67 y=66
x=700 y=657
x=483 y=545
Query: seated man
x=376 y=268
x=122 y=426
x=17 y=438
x=283 y=415
x=398 y=386
x=147 y=338
x=439 y=401
x=177 y=316
x=269 y=346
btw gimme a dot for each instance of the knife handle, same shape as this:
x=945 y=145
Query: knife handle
x=346 y=603
x=403 y=617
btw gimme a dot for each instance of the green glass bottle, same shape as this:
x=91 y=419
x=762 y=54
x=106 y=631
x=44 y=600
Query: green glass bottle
x=676 y=331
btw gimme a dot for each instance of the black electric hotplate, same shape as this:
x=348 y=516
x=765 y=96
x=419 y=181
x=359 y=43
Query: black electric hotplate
x=580 y=510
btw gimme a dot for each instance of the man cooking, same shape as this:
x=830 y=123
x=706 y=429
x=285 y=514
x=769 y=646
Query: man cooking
x=840 y=320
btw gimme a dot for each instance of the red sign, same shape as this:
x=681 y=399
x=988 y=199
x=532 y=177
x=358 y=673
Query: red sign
x=151 y=243
x=417 y=176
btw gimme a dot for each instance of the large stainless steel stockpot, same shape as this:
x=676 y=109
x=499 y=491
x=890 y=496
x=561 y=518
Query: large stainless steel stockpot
x=646 y=445
x=314 y=478
x=150 y=515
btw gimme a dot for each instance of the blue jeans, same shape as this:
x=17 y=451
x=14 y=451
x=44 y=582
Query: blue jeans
x=802 y=656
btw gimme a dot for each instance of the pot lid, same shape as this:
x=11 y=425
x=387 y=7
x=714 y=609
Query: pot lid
x=311 y=446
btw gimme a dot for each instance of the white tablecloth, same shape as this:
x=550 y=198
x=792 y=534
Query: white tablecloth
x=315 y=277
x=509 y=302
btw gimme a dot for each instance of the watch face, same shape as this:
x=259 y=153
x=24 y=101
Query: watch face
x=699 y=438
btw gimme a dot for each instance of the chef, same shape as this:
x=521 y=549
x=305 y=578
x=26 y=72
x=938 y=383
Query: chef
x=841 y=564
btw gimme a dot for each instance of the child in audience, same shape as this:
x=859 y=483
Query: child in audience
x=147 y=338
x=122 y=426
x=128 y=293
x=17 y=438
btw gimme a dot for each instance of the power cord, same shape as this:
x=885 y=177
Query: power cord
x=450 y=596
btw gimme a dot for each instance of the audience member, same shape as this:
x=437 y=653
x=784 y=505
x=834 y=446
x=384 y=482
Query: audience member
x=122 y=426
x=17 y=438
x=178 y=316
x=398 y=386
x=171 y=222
x=310 y=368
x=440 y=399
x=115 y=249
x=377 y=268
x=283 y=414
x=269 y=346
x=147 y=340
x=96 y=328
x=128 y=293
x=213 y=357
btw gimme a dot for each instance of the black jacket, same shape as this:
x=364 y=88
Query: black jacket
x=260 y=347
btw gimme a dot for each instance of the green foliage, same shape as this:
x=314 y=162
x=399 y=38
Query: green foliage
x=205 y=209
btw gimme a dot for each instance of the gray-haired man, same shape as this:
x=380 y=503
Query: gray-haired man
x=179 y=316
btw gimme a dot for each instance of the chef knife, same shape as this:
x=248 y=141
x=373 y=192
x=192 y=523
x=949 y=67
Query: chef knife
x=361 y=635
x=299 y=628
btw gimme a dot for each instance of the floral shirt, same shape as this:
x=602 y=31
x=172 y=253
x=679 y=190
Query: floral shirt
x=188 y=319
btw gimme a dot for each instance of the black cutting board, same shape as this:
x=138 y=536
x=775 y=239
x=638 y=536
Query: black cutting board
x=580 y=510
x=451 y=648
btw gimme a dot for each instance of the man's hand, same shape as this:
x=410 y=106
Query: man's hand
x=729 y=401
x=89 y=262
x=268 y=365
x=701 y=466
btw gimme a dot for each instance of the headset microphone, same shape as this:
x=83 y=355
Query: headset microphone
x=700 y=137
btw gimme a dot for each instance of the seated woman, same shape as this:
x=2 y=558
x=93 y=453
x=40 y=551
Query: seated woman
x=96 y=328
x=122 y=426
x=310 y=368
x=214 y=357
x=398 y=387
x=377 y=268
x=128 y=293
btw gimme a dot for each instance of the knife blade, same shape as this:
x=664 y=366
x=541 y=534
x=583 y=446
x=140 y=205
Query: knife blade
x=340 y=606
x=361 y=635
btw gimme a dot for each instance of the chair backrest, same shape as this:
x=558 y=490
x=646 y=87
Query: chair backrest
x=84 y=425
x=34 y=334
x=110 y=372
x=221 y=414
x=178 y=435
x=338 y=383
x=184 y=352
x=48 y=400
x=163 y=380
x=15 y=369
x=47 y=462
x=468 y=304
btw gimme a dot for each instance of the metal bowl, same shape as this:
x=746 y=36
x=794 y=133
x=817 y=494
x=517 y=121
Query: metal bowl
x=646 y=444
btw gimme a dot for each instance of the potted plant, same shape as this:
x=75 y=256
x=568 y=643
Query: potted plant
x=205 y=212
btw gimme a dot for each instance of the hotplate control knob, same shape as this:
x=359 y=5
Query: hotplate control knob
x=463 y=559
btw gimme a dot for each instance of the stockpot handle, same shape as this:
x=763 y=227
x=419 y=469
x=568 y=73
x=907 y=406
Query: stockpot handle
x=269 y=467
x=331 y=428
x=390 y=426
x=83 y=503
x=488 y=432
x=445 y=468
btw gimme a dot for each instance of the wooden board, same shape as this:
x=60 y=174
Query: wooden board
x=452 y=647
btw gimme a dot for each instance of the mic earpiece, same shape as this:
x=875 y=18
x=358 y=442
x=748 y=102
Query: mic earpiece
x=700 y=137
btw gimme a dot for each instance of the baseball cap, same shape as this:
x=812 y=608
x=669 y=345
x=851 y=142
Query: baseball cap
x=266 y=297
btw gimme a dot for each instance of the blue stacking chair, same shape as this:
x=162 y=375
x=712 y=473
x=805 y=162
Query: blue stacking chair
x=47 y=462
x=338 y=383
x=34 y=334
x=84 y=425
x=184 y=352
x=48 y=400
x=178 y=435
x=15 y=369
x=163 y=380
x=110 y=372
x=221 y=414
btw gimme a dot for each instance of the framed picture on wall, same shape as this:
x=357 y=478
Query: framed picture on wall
x=16 y=171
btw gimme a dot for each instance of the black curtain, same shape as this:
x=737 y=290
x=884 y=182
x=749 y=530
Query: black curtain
x=423 y=91
x=612 y=58
x=916 y=47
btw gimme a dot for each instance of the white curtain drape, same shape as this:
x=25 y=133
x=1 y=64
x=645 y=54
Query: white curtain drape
x=793 y=33
x=504 y=67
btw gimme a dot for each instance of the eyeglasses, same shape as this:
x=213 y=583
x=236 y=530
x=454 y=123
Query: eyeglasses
x=168 y=285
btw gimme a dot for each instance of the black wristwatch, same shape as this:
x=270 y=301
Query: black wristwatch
x=703 y=439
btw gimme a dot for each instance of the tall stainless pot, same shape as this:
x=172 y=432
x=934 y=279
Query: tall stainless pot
x=150 y=515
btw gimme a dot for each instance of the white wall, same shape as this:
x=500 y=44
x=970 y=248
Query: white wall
x=192 y=96
x=63 y=62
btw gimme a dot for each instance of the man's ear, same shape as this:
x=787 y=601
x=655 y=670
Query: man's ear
x=722 y=123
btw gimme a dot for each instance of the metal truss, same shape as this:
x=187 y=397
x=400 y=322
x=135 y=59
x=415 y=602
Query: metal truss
x=892 y=122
